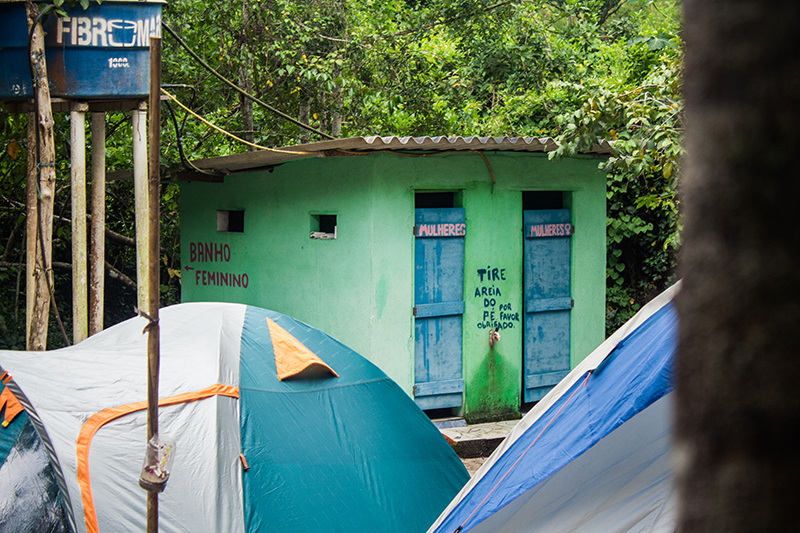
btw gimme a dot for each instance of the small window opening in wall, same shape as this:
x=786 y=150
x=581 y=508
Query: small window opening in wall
x=323 y=226
x=428 y=200
x=230 y=221
x=542 y=200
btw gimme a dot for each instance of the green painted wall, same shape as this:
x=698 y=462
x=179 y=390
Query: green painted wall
x=359 y=287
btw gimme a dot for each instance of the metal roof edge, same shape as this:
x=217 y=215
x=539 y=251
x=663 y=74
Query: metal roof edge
x=374 y=143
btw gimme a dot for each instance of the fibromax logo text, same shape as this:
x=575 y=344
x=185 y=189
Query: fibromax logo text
x=99 y=31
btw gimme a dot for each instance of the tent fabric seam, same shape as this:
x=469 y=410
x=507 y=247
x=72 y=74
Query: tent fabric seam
x=592 y=429
x=38 y=425
x=593 y=442
x=292 y=357
x=302 y=448
x=661 y=507
x=99 y=419
x=590 y=363
x=318 y=390
x=581 y=386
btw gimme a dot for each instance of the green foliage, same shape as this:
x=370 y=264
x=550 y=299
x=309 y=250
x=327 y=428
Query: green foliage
x=59 y=4
x=120 y=298
x=582 y=71
x=637 y=105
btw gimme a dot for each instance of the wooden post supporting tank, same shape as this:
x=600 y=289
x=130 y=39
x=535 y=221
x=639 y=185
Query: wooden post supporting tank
x=98 y=227
x=139 y=119
x=77 y=119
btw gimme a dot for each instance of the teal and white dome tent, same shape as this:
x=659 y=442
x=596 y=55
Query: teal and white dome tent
x=277 y=427
x=595 y=453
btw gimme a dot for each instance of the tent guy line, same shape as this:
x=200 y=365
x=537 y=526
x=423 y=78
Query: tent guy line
x=459 y=528
x=605 y=463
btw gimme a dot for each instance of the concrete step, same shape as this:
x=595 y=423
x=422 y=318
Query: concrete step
x=444 y=423
x=477 y=440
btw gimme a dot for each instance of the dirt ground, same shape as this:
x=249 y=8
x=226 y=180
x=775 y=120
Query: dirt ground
x=473 y=465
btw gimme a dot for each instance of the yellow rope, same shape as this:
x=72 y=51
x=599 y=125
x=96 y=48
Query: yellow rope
x=209 y=124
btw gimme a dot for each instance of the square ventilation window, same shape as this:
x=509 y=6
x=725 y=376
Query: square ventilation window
x=428 y=199
x=534 y=200
x=230 y=221
x=323 y=227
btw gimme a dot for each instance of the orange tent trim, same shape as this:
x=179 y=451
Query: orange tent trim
x=291 y=355
x=98 y=420
x=12 y=405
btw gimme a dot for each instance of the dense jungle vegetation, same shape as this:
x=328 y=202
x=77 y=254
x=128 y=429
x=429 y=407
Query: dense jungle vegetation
x=575 y=70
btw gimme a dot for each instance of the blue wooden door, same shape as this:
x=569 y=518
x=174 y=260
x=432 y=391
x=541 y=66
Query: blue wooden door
x=438 y=307
x=547 y=300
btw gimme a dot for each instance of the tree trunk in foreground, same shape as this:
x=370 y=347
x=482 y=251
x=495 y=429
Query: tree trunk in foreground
x=738 y=421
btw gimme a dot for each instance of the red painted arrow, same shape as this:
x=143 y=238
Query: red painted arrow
x=187 y=267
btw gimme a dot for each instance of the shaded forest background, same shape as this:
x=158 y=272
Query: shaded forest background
x=575 y=70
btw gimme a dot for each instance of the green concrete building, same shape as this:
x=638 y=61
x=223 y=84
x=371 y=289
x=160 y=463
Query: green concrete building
x=470 y=270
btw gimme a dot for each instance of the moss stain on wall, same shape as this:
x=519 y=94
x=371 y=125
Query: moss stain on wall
x=487 y=393
x=359 y=288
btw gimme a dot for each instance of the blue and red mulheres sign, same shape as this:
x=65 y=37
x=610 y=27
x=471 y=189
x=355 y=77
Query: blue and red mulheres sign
x=447 y=229
x=549 y=230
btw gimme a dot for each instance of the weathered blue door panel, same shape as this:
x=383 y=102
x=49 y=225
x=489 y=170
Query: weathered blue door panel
x=439 y=307
x=547 y=300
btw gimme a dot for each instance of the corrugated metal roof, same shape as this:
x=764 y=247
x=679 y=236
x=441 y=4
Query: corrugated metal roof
x=364 y=145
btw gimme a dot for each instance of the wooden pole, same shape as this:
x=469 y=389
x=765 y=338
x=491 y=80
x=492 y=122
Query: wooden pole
x=37 y=336
x=98 y=248
x=80 y=314
x=153 y=355
x=31 y=228
x=139 y=120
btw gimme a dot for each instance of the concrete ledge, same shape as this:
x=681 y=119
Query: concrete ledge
x=478 y=440
x=472 y=449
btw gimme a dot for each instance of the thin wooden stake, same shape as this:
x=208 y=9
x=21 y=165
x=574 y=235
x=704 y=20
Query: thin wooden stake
x=31 y=228
x=153 y=348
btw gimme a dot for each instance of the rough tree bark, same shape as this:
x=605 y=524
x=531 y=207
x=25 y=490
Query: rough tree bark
x=40 y=315
x=31 y=227
x=738 y=396
x=98 y=247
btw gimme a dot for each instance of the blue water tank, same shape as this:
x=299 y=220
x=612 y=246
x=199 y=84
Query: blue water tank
x=102 y=52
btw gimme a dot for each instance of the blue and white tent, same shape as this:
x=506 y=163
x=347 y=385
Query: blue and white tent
x=277 y=427
x=594 y=454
